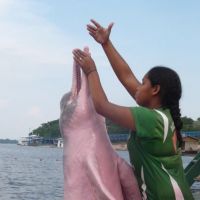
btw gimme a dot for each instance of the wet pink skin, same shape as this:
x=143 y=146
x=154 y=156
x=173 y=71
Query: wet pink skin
x=92 y=168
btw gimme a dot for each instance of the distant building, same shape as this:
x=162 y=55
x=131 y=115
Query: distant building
x=191 y=144
x=195 y=134
x=35 y=140
x=60 y=143
x=118 y=137
x=32 y=140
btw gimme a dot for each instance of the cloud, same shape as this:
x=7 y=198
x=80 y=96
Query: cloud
x=4 y=6
x=35 y=112
x=36 y=42
x=3 y=104
x=35 y=62
x=30 y=37
x=32 y=46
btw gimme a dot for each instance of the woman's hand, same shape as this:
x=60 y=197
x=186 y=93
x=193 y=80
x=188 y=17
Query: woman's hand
x=85 y=61
x=99 y=33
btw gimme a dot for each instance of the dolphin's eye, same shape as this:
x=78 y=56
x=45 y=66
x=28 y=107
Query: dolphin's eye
x=65 y=99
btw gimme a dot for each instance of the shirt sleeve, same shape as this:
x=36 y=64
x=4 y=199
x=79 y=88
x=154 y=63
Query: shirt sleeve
x=148 y=122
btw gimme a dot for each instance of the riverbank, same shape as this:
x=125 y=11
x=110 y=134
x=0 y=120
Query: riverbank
x=120 y=146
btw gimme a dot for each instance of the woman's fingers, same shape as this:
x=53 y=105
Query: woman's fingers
x=92 y=34
x=110 y=26
x=95 y=23
x=77 y=59
x=77 y=56
x=79 y=53
x=80 y=56
x=91 y=31
x=91 y=28
x=76 y=53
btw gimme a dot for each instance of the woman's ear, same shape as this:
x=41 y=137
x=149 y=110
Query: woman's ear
x=156 y=89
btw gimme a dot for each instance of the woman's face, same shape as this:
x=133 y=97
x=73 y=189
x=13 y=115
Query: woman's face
x=144 y=91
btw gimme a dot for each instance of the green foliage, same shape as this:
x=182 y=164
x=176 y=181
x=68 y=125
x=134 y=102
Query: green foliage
x=187 y=123
x=48 y=130
x=114 y=128
x=51 y=129
x=196 y=125
x=190 y=124
x=8 y=141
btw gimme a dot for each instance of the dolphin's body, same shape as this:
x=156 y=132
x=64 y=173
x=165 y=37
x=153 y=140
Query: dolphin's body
x=92 y=169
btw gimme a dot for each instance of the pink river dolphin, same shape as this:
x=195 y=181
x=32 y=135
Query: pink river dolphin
x=92 y=168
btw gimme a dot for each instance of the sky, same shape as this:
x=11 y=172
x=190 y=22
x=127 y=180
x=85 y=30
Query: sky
x=37 y=38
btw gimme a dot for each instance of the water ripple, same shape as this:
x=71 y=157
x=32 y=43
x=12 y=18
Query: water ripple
x=36 y=173
x=30 y=173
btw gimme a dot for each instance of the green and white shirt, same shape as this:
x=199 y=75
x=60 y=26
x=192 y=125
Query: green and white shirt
x=158 y=167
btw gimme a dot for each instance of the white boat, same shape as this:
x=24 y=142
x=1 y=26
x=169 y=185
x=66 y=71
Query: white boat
x=23 y=141
x=32 y=140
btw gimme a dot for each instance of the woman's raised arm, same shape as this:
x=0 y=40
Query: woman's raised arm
x=119 y=65
x=119 y=114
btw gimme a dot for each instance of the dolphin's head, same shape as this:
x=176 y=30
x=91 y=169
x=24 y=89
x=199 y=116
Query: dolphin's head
x=78 y=83
x=78 y=100
x=69 y=100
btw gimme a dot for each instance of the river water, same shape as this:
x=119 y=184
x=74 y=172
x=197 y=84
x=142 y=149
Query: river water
x=36 y=173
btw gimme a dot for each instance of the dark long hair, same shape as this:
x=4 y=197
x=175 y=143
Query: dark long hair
x=170 y=93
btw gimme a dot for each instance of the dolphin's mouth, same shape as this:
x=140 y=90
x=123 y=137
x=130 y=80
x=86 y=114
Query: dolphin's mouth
x=76 y=80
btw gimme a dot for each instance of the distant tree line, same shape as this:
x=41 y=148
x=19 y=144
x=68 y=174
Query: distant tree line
x=8 y=141
x=51 y=129
x=48 y=130
x=190 y=125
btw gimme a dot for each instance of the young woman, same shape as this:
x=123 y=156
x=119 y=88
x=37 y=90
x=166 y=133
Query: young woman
x=155 y=139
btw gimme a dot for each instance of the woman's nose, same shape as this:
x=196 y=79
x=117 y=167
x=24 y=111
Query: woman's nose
x=138 y=87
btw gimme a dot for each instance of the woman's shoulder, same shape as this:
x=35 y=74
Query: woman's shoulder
x=150 y=110
x=142 y=109
x=149 y=113
x=143 y=114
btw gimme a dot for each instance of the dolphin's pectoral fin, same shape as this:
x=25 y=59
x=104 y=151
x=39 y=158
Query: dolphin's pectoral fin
x=128 y=181
x=97 y=184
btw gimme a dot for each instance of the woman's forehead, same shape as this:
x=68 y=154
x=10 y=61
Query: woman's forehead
x=145 y=77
